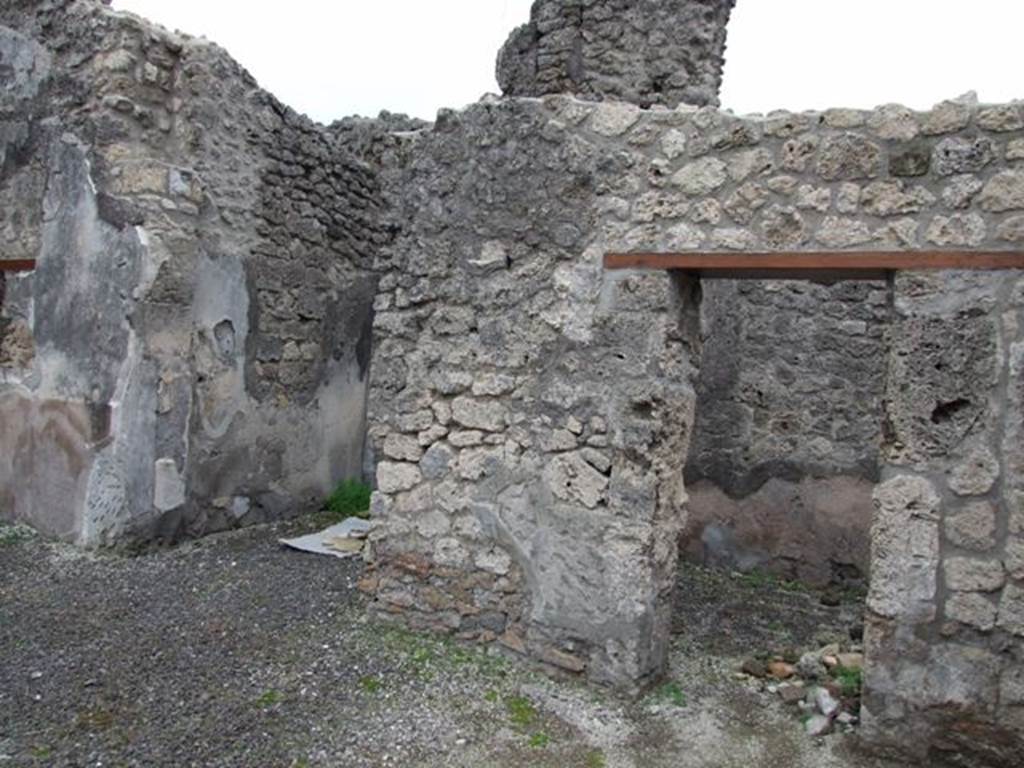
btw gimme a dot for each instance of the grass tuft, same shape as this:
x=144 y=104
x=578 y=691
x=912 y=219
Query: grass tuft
x=268 y=699
x=370 y=684
x=850 y=680
x=350 y=499
x=671 y=692
x=539 y=740
x=521 y=711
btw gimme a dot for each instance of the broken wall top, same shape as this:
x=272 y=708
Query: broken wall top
x=645 y=52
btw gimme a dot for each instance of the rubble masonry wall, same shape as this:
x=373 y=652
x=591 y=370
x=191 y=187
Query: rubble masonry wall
x=192 y=351
x=518 y=409
x=645 y=52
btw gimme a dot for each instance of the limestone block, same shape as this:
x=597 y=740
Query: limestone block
x=894 y=121
x=901 y=233
x=558 y=440
x=797 y=153
x=959 y=675
x=782 y=185
x=1014 y=558
x=1011 y=686
x=976 y=475
x=1011 y=610
x=973 y=527
x=905 y=550
x=910 y=161
x=844 y=118
x=849 y=157
x=597 y=459
x=450 y=553
x=673 y=143
x=1015 y=150
x=961 y=190
x=613 y=119
x=493 y=385
x=967 y=229
x=809 y=197
x=752 y=162
x=742 y=204
x=957 y=155
x=1003 y=192
x=701 y=177
x=783 y=227
x=494 y=560
x=477 y=463
x=489 y=416
x=972 y=575
x=1015 y=500
x=894 y=198
x=436 y=461
x=732 y=238
x=466 y=438
x=393 y=477
x=848 y=198
x=402 y=447
x=1012 y=230
x=706 y=212
x=572 y=479
x=681 y=237
x=841 y=232
x=442 y=412
x=432 y=523
x=414 y=423
x=946 y=117
x=1001 y=118
x=428 y=437
x=972 y=608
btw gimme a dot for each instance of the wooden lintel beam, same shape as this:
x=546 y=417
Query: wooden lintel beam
x=17 y=265
x=833 y=265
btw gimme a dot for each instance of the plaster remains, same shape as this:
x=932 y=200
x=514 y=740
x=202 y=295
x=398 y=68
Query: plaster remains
x=228 y=298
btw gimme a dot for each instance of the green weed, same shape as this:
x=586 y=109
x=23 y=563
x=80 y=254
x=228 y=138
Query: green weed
x=370 y=684
x=14 y=534
x=672 y=693
x=350 y=499
x=269 y=699
x=521 y=711
x=850 y=680
x=539 y=740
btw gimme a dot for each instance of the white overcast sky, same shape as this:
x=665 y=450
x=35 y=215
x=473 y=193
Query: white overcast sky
x=335 y=58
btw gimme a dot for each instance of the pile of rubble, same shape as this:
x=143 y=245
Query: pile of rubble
x=823 y=686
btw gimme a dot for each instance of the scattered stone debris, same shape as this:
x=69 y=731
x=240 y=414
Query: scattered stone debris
x=823 y=686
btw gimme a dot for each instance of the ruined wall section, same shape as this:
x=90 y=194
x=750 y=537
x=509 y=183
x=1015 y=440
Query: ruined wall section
x=238 y=323
x=528 y=416
x=785 y=455
x=496 y=373
x=945 y=629
x=644 y=52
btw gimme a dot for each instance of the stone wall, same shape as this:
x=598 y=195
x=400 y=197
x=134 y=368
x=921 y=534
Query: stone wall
x=529 y=417
x=644 y=52
x=785 y=452
x=492 y=374
x=198 y=325
x=946 y=607
x=193 y=348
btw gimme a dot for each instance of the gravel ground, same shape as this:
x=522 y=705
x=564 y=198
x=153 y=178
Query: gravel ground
x=234 y=651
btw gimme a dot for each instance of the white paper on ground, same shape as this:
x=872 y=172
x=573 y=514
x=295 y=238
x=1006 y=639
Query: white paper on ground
x=352 y=527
